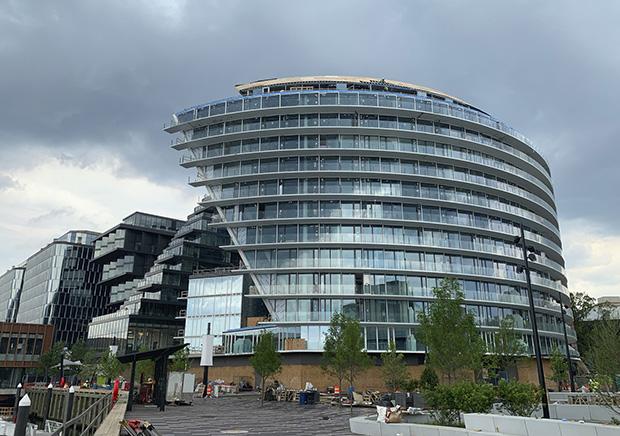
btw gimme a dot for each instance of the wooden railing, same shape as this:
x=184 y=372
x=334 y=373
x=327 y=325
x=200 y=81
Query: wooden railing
x=83 y=401
x=87 y=422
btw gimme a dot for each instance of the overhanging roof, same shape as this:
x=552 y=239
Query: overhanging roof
x=151 y=354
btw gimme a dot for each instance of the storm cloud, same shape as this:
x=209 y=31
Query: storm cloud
x=88 y=85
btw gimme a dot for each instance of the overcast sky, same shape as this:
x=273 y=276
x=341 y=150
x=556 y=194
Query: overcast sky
x=86 y=86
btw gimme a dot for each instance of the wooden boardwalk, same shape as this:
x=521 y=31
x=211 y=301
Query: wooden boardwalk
x=243 y=415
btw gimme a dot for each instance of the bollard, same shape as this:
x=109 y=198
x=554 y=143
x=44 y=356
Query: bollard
x=47 y=404
x=22 y=416
x=68 y=409
x=17 y=398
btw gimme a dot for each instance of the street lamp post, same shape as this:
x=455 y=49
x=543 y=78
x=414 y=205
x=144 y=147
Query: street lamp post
x=570 y=363
x=539 y=364
x=62 y=365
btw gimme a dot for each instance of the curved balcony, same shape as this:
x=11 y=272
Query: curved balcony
x=483 y=205
x=433 y=152
x=415 y=128
x=483 y=184
x=357 y=99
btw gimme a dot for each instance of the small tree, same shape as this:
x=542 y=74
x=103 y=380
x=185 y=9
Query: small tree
x=603 y=357
x=518 y=399
x=449 y=332
x=79 y=350
x=89 y=367
x=180 y=360
x=344 y=355
x=559 y=366
x=266 y=360
x=582 y=305
x=507 y=347
x=394 y=368
x=429 y=379
x=355 y=357
x=49 y=360
x=109 y=366
x=334 y=362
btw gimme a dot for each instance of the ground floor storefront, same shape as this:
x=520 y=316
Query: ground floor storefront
x=299 y=368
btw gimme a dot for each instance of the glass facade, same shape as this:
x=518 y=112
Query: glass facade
x=60 y=287
x=214 y=301
x=150 y=316
x=358 y=196
x=11 y=284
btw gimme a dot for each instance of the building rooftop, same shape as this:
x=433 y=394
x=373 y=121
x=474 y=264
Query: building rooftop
x=330 y=82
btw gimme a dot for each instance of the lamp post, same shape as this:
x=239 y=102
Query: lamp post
x=570 y=363
x=539 y=364
x=62 y=366
x=205 y=371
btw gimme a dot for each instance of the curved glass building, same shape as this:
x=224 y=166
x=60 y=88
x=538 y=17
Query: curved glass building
x=358 y=195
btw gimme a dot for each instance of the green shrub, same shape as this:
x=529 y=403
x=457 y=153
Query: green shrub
x=449 y=401
x=429 y=378
x=474 y=397
x=411 y=385
x=519 y=399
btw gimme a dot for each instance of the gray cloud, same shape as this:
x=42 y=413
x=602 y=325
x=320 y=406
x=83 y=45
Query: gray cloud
x=7 y=182
x=84 y=78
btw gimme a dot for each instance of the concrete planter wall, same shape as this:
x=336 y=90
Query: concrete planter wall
x=521 y=426
x=484 y=425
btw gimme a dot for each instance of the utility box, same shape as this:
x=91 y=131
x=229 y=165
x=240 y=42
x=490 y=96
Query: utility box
x=180 y=387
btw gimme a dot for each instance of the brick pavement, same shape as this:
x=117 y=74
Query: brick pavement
x=243 y=415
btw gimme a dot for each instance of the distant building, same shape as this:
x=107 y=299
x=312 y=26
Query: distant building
x=60 y=287
x=128 y=250
x=150 y=315
x=21 y=347
x=606 y=307
x=11 y=284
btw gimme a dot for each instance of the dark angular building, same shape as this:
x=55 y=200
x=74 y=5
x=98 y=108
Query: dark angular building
x=128 y=250
x=60 y=287
x=150 y=316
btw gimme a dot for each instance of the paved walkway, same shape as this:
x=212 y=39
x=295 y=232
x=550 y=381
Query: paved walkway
x=243 y=415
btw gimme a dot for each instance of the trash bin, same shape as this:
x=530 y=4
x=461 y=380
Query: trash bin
x=312 y=397
x=303 y=398
x=317 y=397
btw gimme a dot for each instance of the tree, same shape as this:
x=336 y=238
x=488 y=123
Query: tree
x=333 y=359
x=394 y=368
x=344 y=356
x=180 y=360
x=49 y=360
x=354 y=349
x=559 y=366
x=266 y=360
x=603 y=357
x=90 y=364
x=507 y=347
x=582 y=305
x=518 y=399
x=109 y=366
x=449 y=332
x=79 y=350
x=429 y=379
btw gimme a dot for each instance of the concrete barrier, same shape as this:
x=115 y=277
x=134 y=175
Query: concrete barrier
x=484 y=425
x=522 y=426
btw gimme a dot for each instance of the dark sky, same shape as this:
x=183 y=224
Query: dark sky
x=86 y=86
